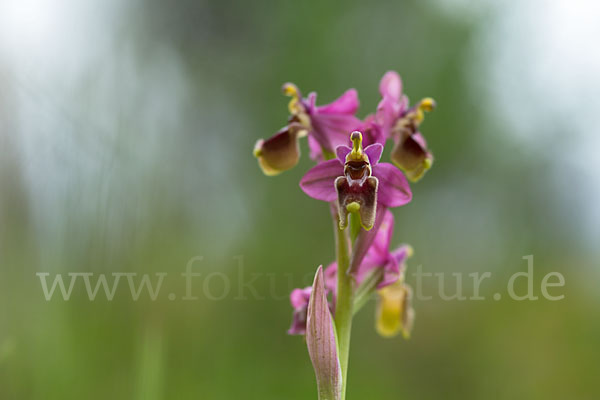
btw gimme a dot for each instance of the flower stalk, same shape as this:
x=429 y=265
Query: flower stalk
x=344 y=302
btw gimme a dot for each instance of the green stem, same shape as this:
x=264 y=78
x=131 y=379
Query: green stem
x=363 y=293
x=344 y=303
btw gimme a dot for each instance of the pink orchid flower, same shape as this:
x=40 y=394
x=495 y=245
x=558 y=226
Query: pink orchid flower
x=326 y=126
x=358 y=182
x=401 y=123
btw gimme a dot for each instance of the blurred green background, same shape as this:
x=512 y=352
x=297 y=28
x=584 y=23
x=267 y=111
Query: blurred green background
x=126 y=135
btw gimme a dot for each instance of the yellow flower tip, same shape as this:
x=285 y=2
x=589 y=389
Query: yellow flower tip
x=289 y=89
x=419 y=116
x=353 y=207
x=409 y=250
x=366 y=227
x=258 y=148
x=356 y=138
x=427 y=104
x=427 y=163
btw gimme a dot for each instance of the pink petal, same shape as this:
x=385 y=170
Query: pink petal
x=315 y=150
x=299 y=297
x=391 y=85
x=388 y=112
x=395 y=266
x=392 y=103
x=365 y=239
x=381 y=244
x=374 y=153
x=331 y=278
x=318 y=182
x=372 y=131
x=333 y=123
x=393 y=269
x=311 y=101
x=320 y=340
x=378 y=252
x=342 y=152
x=394 y=190
x=418 y=137
x=401 y=253
x=298 y=326
x=332 y=130
x=347 y=103
x=391 y=274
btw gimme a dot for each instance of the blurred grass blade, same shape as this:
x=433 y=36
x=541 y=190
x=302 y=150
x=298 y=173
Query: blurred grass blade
x=150 y=365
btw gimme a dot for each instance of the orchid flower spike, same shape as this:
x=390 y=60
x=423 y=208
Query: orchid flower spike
x=349 y=176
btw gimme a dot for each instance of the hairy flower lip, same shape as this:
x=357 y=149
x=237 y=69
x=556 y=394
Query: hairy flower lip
x=363 y=192
x=389 y=186
x=359 y=187
x=357 y=170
